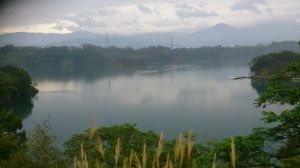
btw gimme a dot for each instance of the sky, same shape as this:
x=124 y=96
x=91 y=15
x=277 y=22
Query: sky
x=140 y=16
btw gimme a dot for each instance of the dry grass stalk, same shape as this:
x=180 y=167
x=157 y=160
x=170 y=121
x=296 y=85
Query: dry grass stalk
x=100 y=148
x=130 y=158
x=75 y=162
x=214 y=165
x=83 y=162
x=137 y=160
x=118 y=152
x=91 y=133
x=159 y=149
x=171 y=164
x=177 y=149
x=144 y=155
x=99 y=164
x=190 y=147
x=154 y=160
x=125 y=163
x=233 y=153
x=182 y=154
x=167 y=164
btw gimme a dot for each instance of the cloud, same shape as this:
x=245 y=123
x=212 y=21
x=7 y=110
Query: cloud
x=58 y=27
x=184 y=10
x=106 y=12
x=184 y=13
x=115 y=16
x=144 y=9
x=251 y=5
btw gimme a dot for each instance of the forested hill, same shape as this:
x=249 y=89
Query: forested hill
x=273 y=62
x=120 y=58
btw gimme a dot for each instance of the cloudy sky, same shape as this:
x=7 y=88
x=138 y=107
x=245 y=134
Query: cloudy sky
x=140 y=16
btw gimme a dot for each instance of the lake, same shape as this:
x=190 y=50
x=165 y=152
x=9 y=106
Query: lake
x=172 y=99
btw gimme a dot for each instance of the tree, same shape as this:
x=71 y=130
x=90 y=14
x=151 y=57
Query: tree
x=41 y=147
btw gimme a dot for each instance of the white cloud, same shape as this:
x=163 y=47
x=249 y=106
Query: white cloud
x=140 y=16
x=144 y=9
x=251 y=5
x=182 y=13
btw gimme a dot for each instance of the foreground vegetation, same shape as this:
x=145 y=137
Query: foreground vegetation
x=15 y=89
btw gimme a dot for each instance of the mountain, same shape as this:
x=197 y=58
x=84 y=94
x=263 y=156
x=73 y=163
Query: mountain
x=223 y=34
x=220 y=34
x=42 y=39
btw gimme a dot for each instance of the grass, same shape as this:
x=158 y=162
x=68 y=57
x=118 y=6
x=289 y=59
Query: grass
x=181 y=158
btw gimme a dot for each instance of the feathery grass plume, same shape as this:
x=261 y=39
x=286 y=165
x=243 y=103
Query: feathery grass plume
x=167 y=164
x=232 y=153
x=177 y=148
x=100 y=148
x=214 y=164
x=159 y=149
x=92 y=131
x=75 y=162
x=189 y=147
x=154 y=160
x=130 y=158
x=125 y=163
x=144 y=155
x=83 y=162
x=171 y=164
x=137 y=160
x=98 y=164
x=182 y=153
x=81 y=151
x=118 y=152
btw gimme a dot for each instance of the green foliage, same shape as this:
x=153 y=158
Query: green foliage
x=273 y=62
x=15 y=84
x=130 y=137
x=41 y=147
x=18 y=159
x=38 y=151
x=284 y=127
x=10 y=138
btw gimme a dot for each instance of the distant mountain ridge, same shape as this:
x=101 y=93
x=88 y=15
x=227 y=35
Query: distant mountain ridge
x=220 y=34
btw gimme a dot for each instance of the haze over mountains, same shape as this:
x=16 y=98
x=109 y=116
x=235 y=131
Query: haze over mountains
x=220 y=34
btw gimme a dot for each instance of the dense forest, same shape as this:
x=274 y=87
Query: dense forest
x=261 y=65
x=16 y=92
x=90 y=56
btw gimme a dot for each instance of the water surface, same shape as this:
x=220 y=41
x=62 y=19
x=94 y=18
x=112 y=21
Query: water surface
x=172 y=100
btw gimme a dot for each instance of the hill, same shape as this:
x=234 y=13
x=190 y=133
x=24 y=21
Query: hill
x=273 y=62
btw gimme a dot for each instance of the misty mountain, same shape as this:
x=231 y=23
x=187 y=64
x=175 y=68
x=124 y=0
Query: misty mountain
x=220 y=34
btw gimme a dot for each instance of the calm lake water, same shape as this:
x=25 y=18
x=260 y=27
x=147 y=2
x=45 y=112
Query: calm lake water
x=172 y=100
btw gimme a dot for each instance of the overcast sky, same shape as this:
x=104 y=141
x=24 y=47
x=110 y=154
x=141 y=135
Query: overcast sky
x=141 y=16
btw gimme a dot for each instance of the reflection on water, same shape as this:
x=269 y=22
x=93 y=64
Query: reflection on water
x=201 y=99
